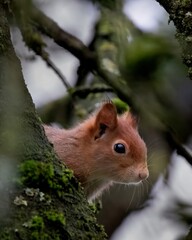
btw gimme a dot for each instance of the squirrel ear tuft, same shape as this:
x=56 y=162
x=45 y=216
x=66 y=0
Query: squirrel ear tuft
x=132 y=119
x=107 y=116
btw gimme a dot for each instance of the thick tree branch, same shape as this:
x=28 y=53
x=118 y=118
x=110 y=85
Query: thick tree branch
x=66 y=40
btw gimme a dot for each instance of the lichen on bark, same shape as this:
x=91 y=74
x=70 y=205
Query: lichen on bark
x=180 y=12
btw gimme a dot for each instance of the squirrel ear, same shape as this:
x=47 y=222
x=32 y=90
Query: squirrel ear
x=132 y=119
x=107 y=116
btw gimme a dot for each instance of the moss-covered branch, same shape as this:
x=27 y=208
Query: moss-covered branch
x=180 y=12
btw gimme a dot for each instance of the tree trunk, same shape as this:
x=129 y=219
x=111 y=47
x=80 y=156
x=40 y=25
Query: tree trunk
x=40 y=198
x=181 y=15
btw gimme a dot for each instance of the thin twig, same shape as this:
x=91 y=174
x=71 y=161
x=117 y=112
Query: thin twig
x=84 y=91
x=57 y=71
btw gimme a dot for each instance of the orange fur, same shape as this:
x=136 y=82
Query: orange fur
x=88 y=149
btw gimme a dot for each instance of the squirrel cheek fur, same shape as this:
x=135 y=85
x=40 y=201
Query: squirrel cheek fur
x=104 y=149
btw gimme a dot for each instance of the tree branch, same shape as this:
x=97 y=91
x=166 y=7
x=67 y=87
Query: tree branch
x=180 y=13
x=57 y=71
x=176 y=145
x=66 y=40
x=83 y=92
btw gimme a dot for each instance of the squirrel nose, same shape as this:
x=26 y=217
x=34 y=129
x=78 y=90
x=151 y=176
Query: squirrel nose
x=144 y=174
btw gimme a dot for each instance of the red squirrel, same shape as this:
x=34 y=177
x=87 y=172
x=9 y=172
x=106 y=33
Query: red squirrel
x=104 y=149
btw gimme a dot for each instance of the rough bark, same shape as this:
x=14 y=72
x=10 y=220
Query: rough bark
x=40 y=198
x=180 y=12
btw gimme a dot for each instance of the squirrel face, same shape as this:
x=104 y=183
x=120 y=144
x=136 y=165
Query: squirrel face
x=118 y=152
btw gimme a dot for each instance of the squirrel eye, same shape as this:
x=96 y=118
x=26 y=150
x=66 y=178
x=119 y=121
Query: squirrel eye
x=119 y=148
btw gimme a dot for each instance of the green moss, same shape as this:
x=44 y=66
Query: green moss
x=120 y=105
x=184 y=3
x=37 y=227
x=96 y=207
x=42 y=221
x=37 y=223
x=110 y=4
x=5 y=235
x=44 y=176
x=55 y=218
x=190 y=72
x=57 y=182
x=38 y=173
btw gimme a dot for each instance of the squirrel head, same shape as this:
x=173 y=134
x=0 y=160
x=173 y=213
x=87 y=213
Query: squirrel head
x=118 y=152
